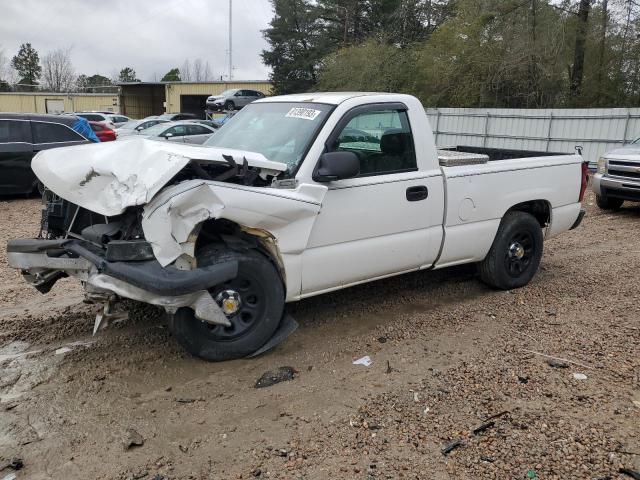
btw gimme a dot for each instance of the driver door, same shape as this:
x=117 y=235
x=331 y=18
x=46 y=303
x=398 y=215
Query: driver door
x=385 y=221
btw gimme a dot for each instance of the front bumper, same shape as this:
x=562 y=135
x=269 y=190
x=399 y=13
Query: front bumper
x=215 y=106
x=608 y=186
x=43 y=262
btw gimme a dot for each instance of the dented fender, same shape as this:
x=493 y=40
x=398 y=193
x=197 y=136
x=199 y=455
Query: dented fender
x=286 y=216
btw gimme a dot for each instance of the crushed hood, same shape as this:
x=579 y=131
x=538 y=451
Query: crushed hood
x=107 y=178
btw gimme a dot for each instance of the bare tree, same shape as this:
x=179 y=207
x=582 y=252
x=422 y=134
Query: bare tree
x=208 y=76
x=185 y=71
x=57 y=71
x=198 y=70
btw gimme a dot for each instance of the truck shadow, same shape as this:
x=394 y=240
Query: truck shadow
x=408 y=293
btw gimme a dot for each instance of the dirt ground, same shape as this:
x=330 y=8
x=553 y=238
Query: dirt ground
x=448 y=354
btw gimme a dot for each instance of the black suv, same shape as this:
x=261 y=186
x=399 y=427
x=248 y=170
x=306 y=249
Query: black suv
x=22 y=135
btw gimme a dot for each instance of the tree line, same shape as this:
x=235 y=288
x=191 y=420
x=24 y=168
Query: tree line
x=26 y=71
x=461 y=53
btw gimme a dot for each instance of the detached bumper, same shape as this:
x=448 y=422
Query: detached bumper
x=43 y=262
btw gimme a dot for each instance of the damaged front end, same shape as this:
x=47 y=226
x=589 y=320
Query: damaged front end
x=92 y=222
x=111 y=257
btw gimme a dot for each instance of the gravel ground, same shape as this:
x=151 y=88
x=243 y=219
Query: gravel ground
x=454 y=364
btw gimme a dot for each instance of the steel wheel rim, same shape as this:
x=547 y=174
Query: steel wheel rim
x=251 y=310
x=519 y=253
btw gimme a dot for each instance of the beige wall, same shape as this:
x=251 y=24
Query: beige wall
x=174 y=90
x=36 y=102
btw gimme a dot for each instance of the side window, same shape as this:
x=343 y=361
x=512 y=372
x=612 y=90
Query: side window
x=197 y=130
x=12 y=131
x=45 y=132
x=178 y=130
x=381 y=139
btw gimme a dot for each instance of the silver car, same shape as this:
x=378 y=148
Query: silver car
x=232 y=99
x=114 y=119
x=184 y=132
x=137 y=127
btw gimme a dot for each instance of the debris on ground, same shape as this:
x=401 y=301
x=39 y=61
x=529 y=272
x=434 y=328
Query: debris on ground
x=483 y=427
x=552 y=362
x=579 y=376
x=133 y=439
x=389 y=369
x=14 y=464
x=630 y=473
x=451 y=446
x=382 y=339
x=366 y=361
x=272 y=377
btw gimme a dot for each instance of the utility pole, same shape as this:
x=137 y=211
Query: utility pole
x=230 y=40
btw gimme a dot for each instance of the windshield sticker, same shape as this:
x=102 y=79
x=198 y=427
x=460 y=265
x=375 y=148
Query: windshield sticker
x=306 y=113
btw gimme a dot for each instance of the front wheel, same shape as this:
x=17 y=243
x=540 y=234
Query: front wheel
x=515 y=254
x=253 y=302
x=229 y=105
x=608 y=203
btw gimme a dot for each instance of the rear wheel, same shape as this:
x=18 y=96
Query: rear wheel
x=515 y=254
x=229 y=105
x=608 y=203
x=253 y=302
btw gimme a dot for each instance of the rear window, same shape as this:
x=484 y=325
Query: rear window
x=45 y=132
x=14 y=131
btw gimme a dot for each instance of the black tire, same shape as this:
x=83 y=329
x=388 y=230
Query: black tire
x=515 y=254
x=229 y=105
x=261 y=296
x=608 y=203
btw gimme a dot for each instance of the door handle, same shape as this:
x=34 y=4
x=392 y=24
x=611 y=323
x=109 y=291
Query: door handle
x=417 y=193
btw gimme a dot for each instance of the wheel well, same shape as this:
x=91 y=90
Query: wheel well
x=540 y=209
x=234 y=235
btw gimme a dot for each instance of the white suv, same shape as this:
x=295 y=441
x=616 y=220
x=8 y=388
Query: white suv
x=233 y=99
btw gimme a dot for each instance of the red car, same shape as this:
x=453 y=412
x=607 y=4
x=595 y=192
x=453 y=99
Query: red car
x=103 y=132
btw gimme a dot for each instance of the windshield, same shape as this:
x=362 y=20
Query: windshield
x=281 y=132
x=155 y=130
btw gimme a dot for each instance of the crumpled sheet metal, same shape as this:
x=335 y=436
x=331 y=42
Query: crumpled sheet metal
x=201 y=302
x=172 y=215
x=107 y=178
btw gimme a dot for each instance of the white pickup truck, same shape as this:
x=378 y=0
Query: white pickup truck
x=296 y=196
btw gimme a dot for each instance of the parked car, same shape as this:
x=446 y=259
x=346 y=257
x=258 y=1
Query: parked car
x=185 y=132
x=288 y=201
x=137 y=127
x=208 y=123
x=108 y=119
x=24 y=135
x=103 y=131
x=232 y=99
x=173 y=117
x=617 y=177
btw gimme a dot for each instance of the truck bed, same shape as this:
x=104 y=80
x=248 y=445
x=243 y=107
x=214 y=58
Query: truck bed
x=494 y=154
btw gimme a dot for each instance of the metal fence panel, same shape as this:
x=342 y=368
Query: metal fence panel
x=597 y=130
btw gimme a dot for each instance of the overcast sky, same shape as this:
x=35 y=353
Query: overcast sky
x=151 y=36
